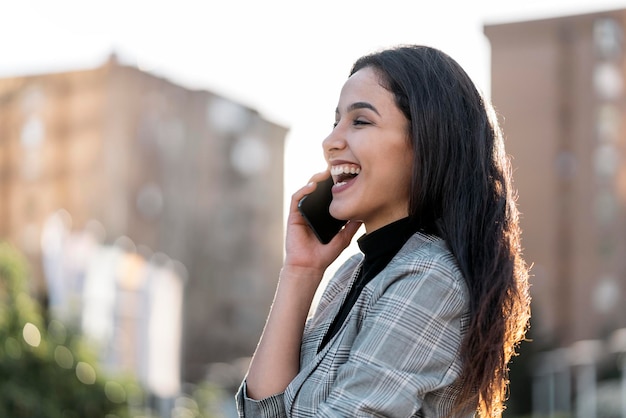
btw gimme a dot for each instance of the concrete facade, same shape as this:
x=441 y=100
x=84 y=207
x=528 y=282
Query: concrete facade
x=558 y=87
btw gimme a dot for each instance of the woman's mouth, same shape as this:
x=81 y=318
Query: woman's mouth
x=343 y=173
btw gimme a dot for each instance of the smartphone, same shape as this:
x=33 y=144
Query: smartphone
x=314 y=209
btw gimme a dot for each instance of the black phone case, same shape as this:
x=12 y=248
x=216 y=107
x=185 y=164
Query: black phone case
x=314 y=209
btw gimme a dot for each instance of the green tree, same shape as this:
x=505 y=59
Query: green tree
x=45 y=370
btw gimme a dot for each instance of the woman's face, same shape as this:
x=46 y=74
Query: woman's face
x=369 y=154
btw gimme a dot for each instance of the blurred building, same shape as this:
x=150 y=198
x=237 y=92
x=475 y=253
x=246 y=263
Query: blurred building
x=558 y=87
x=162 y=169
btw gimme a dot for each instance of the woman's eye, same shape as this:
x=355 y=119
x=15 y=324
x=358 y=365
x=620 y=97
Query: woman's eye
x=355 y=122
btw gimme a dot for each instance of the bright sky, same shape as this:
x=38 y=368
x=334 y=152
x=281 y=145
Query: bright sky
x=286 y=58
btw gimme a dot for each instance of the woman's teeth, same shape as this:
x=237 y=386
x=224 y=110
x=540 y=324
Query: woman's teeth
x=337 y=170
x=343 y=173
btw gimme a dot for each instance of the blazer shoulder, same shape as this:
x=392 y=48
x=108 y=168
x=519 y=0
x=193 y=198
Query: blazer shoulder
x=426 y=254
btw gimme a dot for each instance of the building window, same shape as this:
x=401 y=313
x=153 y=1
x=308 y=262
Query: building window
x=250 y=156
x=607 y=81
x=608 y=38
x=150 y=201
x=31 y=138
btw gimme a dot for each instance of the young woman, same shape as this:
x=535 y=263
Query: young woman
x=424 y=322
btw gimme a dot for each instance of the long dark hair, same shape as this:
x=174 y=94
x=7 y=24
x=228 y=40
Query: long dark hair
x=461 y=191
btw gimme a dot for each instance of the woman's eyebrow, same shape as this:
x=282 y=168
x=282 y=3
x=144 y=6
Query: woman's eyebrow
x=360 y=105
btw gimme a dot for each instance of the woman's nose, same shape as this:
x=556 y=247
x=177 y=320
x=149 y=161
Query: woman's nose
x=334 y=141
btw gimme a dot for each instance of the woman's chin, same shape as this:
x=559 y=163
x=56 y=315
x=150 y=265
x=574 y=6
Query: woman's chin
x=337 y=213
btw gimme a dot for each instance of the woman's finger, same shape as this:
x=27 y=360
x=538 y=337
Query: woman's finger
x=309 y=188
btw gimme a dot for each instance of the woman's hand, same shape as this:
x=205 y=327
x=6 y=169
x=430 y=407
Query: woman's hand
x=303 y=249
x=277 y=358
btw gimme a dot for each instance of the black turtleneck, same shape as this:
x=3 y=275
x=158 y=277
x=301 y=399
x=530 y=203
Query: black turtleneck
x=378 y=247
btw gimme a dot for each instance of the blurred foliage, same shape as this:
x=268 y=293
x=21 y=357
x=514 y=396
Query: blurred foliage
x=45 y=370
x=203 y=401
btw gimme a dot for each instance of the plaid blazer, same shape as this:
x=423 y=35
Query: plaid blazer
x=397 y=353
